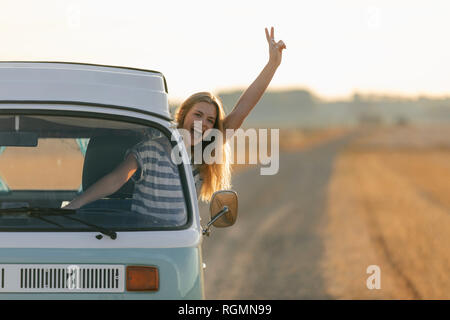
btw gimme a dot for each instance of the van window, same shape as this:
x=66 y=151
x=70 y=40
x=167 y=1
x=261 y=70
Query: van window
x=46 y=161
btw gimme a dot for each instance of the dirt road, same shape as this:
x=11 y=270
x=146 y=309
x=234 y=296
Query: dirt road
x=275 y=249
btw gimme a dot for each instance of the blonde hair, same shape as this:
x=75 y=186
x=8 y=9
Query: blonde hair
x=216 y=176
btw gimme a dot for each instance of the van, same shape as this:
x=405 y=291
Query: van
x=62 y=127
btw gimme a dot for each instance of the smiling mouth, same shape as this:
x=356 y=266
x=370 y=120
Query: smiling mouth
x=196 y=131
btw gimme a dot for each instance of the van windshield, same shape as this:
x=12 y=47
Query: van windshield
x=47 y=161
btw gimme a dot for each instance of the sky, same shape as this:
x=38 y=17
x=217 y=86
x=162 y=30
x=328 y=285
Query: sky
x=334 y=48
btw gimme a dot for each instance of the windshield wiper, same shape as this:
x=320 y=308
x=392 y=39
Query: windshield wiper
x=109 y=233
x=32 y=211
x=38 y=213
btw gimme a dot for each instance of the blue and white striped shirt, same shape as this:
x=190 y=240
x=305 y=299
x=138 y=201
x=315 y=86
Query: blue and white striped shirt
x=158 y=190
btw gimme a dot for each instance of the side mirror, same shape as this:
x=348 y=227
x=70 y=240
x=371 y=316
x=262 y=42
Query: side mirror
x=223 y=209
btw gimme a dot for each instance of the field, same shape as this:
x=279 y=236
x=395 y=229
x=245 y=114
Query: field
x=389 y=205
x=342 y=201
x=57 y=165
x=292 y=140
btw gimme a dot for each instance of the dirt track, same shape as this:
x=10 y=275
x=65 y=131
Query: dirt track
x=275 y=249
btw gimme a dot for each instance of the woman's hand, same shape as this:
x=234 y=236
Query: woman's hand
x=254 y=92
x=69 y=206
x=275 y=48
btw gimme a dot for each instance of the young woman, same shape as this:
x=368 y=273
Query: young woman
x=203 y=108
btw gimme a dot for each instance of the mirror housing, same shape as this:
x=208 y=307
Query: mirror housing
x=223 y=209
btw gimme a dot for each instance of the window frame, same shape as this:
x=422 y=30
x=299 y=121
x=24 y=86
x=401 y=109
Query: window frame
x=93 y=114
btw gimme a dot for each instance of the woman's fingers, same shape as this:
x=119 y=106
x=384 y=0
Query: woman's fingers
x=280 y=44
x=270 y=38
x=267 y=35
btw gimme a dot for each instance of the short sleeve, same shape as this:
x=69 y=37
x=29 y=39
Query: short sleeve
x=136 y=151
x=150 y=155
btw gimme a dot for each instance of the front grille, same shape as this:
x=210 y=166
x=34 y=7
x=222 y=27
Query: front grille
x=62 y=278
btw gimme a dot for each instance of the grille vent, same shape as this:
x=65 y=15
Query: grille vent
x=61 y=278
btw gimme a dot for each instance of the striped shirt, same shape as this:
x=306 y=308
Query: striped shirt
x=197 y=178
x=158 y=190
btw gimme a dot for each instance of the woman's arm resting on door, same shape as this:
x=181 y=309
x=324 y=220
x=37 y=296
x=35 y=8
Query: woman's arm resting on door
x=108 y=184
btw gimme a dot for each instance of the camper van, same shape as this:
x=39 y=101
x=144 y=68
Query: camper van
x=63 y=126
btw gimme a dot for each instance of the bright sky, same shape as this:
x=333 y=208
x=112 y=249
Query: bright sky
x=333 y=47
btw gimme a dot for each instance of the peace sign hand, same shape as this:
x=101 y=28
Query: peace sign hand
x=275 y=48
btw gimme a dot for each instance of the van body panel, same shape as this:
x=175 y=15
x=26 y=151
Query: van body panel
x=51 y=81
x=179 y=276
x=73 y=240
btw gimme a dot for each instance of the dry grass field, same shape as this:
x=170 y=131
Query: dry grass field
x=57 y=165
x=389 y=205
x=292 y=140
x=300 y=139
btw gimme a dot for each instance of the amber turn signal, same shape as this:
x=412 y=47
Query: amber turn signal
x=142 y=278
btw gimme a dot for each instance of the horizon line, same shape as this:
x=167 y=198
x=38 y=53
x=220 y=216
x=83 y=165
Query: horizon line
x=338 y=97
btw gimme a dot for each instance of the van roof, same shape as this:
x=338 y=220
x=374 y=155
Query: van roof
x=67 y=82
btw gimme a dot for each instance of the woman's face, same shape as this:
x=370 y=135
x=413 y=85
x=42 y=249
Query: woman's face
x=202 y=116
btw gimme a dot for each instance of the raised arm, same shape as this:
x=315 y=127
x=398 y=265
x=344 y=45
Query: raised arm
x=254 y=92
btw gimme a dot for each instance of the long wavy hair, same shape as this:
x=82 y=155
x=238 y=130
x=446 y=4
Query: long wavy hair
x=216 y=176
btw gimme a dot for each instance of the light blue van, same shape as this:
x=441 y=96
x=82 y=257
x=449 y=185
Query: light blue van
x=62 y=127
